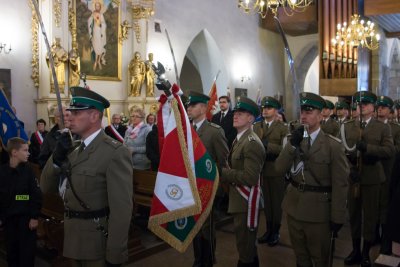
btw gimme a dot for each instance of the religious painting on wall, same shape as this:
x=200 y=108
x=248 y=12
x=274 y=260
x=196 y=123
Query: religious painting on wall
x=5 y=83
x=97 y=31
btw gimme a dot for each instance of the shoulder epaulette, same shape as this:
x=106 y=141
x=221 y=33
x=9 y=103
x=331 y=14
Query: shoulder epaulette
x=251 y=138
x=349 y=121
x=334 y=138
x=112 y=142
x=214 y=125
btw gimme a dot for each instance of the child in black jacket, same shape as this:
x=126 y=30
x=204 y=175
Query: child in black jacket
x=20 y=204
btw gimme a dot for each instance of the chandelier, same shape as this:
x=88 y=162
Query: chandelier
x=262 y=6
x=358 y=33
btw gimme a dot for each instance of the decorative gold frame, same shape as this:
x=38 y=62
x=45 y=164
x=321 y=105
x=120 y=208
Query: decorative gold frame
x=35 y=46
x=111 y=70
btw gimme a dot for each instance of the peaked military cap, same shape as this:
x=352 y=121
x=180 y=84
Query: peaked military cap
x=384 y=101
x=246 y=104
x=83 y=98
x=365 y=97
x=268 y=101
x=196 y=97
x=329 y=104
x=342 y=105
x=311 y=101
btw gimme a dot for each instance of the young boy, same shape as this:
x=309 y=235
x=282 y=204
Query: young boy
x=20 y=203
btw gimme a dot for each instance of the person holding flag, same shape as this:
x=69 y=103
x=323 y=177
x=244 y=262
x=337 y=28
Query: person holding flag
x=187 y=178
x=213 y=138
x=99 y=191
x=246 y=160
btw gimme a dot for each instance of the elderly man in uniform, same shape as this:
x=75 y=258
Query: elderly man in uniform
x=271 y=132
x=315 y=200
x=116 y=130
x=99 y=190
x=329 y=125
x=367 y=175
x=214 y=140
x=246 y=160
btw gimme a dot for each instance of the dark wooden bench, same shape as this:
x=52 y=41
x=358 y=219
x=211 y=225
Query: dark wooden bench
x=143 y=185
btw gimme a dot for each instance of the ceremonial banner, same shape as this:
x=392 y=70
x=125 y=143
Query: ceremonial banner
x=213 y=100
x=10 y=126
x=187 y=177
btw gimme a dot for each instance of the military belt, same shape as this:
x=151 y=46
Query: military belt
x=311 y=188
x=86 y=215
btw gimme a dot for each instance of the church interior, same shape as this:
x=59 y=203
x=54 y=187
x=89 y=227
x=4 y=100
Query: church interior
x=279 y=48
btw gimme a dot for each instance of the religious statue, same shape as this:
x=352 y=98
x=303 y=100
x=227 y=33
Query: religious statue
x=150 y=76
x=74 y=67
x=137 y=71
x=60 y=57
x=125 y=26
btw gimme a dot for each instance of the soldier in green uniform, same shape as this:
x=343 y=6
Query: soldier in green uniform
x=367 y=175
x=315 y=200
x=342 y=111
x=246 y=160
x=213 y=138
x=355 y=111
x=98 y=188
x=271 y=132
x=329 y=125
x=384 y=106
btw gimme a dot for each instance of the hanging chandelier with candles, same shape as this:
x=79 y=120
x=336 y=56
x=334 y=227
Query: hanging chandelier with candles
x=357 y=33
x=262 y=6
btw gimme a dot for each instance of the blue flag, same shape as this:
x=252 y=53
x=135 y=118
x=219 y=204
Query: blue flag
x=10 y=126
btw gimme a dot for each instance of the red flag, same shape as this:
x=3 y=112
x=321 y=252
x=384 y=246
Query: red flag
x=213 y=100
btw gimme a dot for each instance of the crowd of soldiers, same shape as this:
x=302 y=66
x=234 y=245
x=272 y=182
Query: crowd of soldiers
x=316 y=170
x=334 y=164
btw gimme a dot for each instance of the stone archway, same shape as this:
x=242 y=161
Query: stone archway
x=302 y=64
x=203 y=60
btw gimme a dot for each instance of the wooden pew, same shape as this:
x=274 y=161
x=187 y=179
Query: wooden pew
x=143 y=187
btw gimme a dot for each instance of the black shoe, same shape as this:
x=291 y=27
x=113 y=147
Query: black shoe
x=353 y=258
x=267 y=235
x=274 y=240
x=264 y=238
x=366 y=261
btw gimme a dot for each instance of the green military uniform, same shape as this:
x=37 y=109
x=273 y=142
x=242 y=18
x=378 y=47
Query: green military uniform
x=101 y=176
x=214 y=140
x=273 y=183
x=330 y=126
x=318 y=190
x=340 y=105
x=366 y=178
x=388 y=165
x=246 y=162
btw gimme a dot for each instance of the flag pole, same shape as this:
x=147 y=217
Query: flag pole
x=51 y=59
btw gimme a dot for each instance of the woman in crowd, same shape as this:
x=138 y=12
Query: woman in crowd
x=135 y=139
